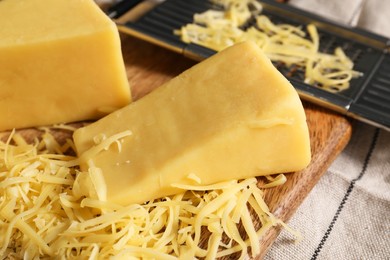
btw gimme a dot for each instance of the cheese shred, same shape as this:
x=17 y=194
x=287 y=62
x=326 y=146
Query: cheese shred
x=289 y=45
x=44 y=213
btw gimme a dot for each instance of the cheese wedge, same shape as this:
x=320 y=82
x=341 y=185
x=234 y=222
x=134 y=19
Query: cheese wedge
x=232 y=116
x=60 y=61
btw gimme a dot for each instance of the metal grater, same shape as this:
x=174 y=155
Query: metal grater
x=367 y=99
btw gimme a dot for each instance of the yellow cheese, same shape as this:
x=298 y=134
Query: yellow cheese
x=231 y=116
x=60 y=61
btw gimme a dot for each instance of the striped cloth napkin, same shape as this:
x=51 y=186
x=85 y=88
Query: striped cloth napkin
x=347 y=214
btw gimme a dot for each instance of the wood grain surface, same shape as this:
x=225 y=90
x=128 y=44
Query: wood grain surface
x=149 y=66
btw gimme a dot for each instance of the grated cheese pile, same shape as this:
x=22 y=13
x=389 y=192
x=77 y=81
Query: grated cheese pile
x=44 y=213
x=291 y=45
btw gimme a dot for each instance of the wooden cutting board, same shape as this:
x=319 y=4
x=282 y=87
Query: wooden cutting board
x=149 y=66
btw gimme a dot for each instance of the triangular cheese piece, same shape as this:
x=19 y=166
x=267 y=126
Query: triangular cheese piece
x=231 y=116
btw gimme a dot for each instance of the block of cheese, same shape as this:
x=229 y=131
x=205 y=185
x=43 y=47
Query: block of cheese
x=231 y=116
x=60 y=61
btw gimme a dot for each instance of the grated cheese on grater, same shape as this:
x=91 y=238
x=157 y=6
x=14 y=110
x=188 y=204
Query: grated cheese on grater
x=217 y=30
